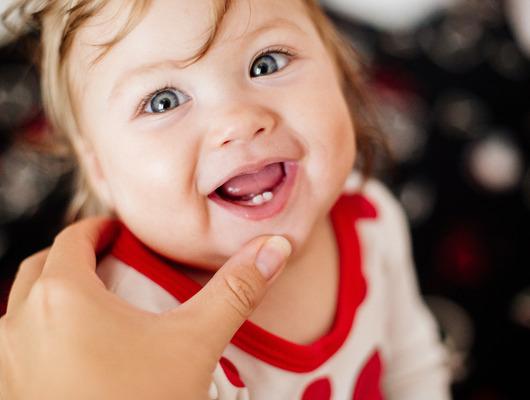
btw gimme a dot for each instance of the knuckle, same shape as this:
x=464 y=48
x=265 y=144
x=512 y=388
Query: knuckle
x=243 y=298
x=27 y=262
x=31 y=262
x=50 y=295
x=69 y=233
x=73 y=234
x=62 y=234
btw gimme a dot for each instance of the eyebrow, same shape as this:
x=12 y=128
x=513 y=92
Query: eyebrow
x=278 y=23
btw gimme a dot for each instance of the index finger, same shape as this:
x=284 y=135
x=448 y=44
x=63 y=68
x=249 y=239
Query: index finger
x=28 y=272
x=75 y=247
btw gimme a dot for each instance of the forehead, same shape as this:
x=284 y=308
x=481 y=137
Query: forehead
x=178 y=28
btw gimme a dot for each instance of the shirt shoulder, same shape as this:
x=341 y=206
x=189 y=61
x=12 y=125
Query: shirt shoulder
x=390 y=223
x=376 y=193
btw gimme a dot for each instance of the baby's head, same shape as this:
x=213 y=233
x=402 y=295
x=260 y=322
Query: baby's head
x=203 y=124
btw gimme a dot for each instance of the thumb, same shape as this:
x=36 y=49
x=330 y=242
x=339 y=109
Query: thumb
x=236 y=289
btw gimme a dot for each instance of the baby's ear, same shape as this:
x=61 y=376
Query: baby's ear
x=93 y=172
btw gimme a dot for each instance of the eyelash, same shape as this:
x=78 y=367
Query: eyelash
x=273 y=49
x=268 y=50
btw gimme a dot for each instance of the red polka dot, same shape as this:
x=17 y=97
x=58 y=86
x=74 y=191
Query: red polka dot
x=231 y=372
x=318 y=390
x=368 y=382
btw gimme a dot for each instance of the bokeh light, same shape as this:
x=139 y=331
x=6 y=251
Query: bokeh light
x=520 y=309
x=418 y=198
x=459 y=333
x=26 y=178
x=460 y=114
x=19 y=95
x=495 y=163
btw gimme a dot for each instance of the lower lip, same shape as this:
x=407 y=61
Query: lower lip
x=269 y=209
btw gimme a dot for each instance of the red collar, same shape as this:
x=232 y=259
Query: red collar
x=250 y=337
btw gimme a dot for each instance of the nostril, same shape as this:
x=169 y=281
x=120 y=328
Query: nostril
x=227 y=141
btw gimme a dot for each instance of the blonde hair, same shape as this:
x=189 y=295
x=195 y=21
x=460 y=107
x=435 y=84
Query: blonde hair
x=60 y=20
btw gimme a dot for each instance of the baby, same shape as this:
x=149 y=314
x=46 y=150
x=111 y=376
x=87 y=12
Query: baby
x=203 y=124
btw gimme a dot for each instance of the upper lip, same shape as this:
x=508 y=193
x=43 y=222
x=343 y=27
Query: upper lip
x=247 y=169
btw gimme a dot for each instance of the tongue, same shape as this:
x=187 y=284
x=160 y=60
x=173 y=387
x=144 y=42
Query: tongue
x=255 y=183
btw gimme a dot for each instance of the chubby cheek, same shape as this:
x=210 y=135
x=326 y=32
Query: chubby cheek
x=137 y=185
x=330 y=140
x=165 y=217
x=333 y=161
x=327 y=128
x=146 y=171
x=153 y=193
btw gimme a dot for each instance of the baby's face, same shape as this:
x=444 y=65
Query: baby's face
x=199 y=160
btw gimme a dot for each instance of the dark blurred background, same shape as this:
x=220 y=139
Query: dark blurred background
x=452 y=83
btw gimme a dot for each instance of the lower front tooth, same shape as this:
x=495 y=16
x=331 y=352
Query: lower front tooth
x=257 y=199
x=267 y=196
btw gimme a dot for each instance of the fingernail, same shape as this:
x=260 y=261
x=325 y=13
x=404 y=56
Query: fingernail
x=272 y=255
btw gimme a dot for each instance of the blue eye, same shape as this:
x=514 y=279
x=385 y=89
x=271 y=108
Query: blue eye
x=165 y=100
x=267 y=64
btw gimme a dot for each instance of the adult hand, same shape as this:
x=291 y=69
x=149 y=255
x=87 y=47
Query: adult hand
x=65 y=336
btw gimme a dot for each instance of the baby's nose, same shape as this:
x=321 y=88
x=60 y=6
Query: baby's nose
x=240 y=123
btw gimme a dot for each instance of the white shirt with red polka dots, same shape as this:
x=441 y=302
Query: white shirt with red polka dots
x=383 y=343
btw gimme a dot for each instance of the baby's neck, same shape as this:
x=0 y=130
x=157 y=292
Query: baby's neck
x=291 y=309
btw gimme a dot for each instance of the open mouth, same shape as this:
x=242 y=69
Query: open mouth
x=253 y=189
x=260 y=194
